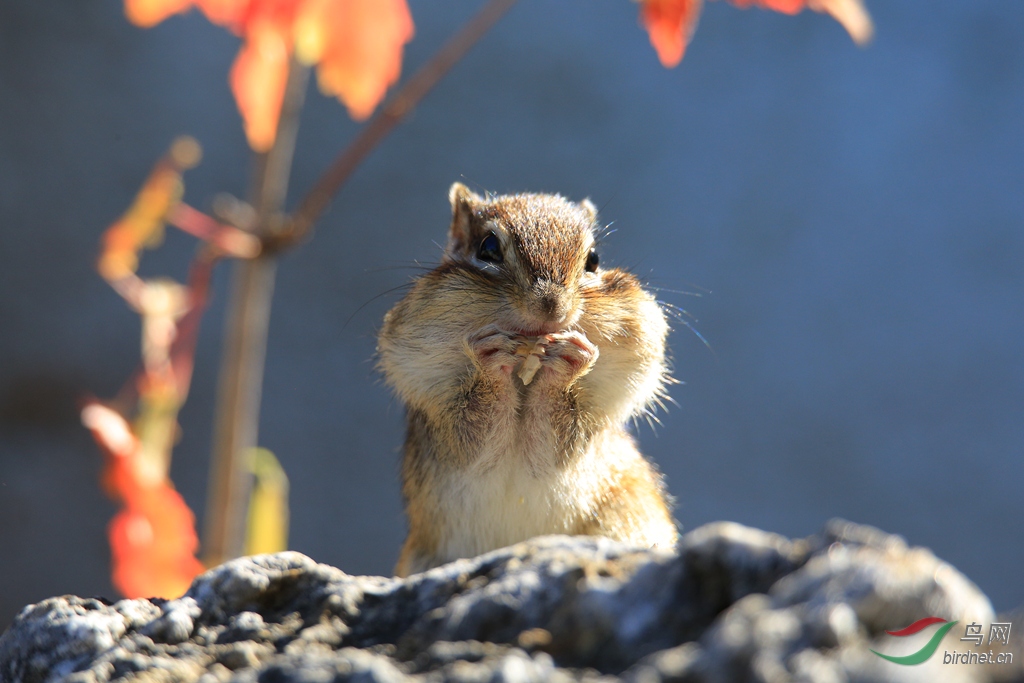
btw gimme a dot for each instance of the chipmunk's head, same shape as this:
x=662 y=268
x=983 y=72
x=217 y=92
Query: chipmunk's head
x=537 y=250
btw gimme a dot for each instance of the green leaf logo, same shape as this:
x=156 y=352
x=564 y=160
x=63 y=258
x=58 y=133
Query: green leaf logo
x=930 y=647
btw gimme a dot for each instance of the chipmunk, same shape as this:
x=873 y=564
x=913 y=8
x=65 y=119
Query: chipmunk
x=519 y=360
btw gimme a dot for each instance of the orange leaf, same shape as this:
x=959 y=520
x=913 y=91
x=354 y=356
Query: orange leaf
x=258 y=79
x=784 y=6
x=152 y=539
x=148 y=13
x=670 y=25
x=229 y=13
x=142 y=224
x=153 y=544
x=358 y=46
x=851 y=14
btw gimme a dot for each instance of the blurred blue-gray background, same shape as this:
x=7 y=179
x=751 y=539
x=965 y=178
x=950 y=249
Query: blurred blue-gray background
x=852 y=217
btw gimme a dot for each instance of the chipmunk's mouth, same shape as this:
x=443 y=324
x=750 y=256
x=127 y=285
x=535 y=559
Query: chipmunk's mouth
x=533 y=326
x=550 y=328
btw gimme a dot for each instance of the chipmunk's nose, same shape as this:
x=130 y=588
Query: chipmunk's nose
x=552 y=300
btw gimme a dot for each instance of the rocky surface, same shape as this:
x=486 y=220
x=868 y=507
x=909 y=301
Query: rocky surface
x=732 y=604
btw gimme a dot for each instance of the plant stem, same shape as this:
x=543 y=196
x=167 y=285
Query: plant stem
x=238 y=403
x=245 y=343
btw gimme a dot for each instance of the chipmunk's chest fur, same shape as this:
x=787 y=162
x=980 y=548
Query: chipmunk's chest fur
x=513 y=491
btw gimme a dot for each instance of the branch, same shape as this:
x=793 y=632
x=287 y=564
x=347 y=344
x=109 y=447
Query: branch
x=245 y=343
x=410 y=95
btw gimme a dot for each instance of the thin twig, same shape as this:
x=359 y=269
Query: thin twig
x=245 y=343
x=227 y=238
x=183 y=349
x=404 y=101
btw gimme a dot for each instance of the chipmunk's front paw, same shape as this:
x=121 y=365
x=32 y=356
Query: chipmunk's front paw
x=567 y=357
x=494 y=350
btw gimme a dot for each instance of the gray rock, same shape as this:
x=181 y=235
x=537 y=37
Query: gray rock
x=731 y=604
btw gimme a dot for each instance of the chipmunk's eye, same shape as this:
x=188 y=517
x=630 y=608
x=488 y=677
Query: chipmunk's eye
x=592 y=261
x=490 y=249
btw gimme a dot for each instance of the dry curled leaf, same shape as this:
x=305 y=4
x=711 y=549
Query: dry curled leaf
x=142 y=225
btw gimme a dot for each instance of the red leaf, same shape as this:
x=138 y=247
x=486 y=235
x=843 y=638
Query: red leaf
x=152 y=539
x=153 y=544
x=151 y=12
x=258 y=79
x=355 y=44
x=670 y=24
x=784 y=6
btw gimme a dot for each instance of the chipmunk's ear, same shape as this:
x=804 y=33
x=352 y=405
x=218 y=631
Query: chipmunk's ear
x=464 y=202
x=589 y=207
